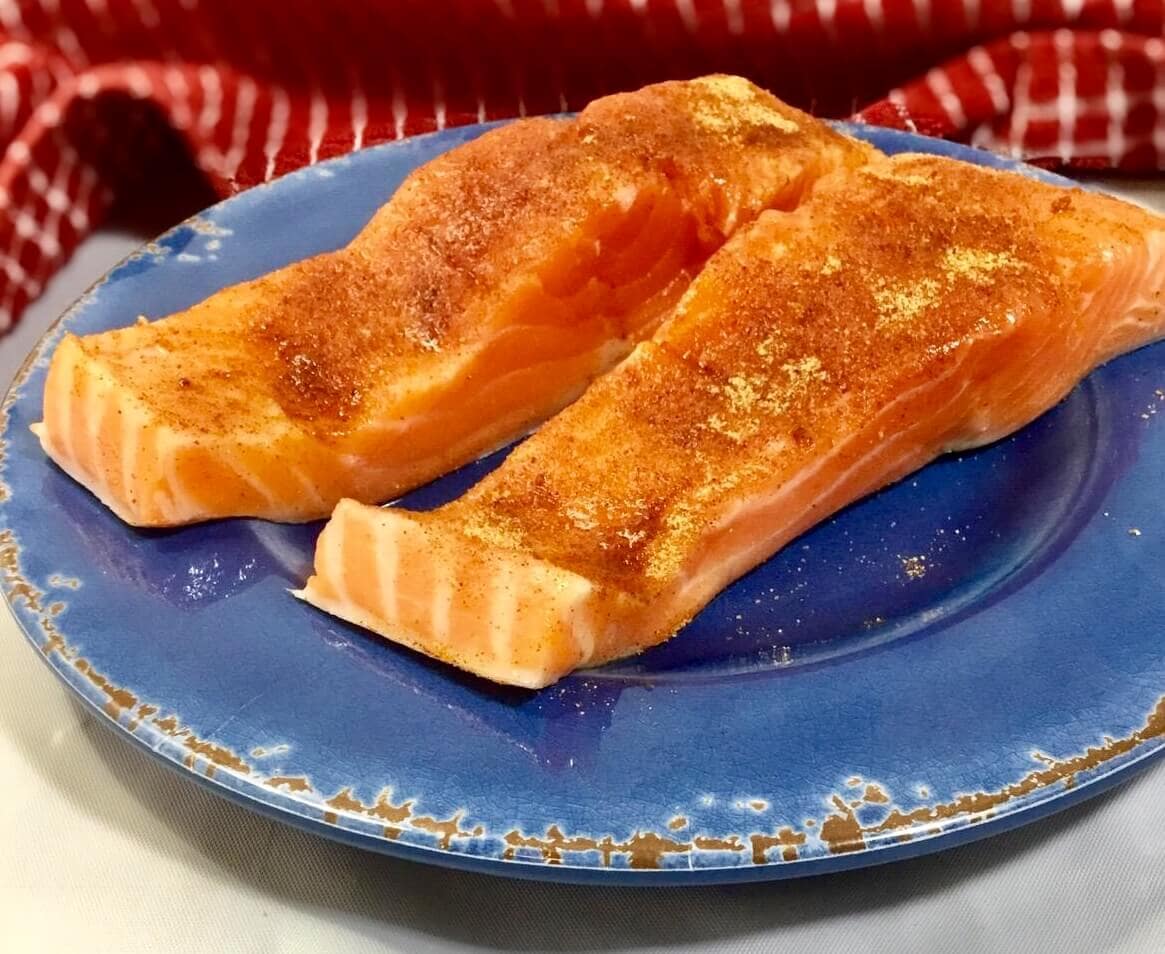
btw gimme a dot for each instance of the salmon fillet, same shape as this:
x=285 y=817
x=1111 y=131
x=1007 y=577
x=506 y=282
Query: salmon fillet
x=496 y=283
x=914 y=307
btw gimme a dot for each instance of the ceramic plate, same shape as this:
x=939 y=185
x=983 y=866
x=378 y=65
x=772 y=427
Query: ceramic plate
x=967 y=651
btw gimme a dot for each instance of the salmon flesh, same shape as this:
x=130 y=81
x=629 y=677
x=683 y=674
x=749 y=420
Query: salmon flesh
x=909 y=308
x=499 y=280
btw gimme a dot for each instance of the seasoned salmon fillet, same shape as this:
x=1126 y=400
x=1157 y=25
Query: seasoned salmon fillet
x=495 y=284
x=914 y=307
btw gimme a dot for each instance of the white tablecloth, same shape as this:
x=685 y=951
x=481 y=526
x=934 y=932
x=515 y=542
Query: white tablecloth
x=102 y=849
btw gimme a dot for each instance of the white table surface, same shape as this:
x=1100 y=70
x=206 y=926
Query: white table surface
x=102 y=849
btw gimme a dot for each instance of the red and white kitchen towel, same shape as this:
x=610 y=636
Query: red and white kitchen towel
x=255 y=88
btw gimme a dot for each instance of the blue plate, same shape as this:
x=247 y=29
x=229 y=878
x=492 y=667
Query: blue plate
x=967 y=651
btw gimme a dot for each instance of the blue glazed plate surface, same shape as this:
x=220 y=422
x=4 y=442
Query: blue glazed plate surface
x=964 y=652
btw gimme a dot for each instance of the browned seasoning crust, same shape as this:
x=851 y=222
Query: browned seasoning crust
x=795 y=336
x=317 y=342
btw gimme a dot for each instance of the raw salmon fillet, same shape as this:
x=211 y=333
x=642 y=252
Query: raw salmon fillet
x=914 y=307
x=496 y=283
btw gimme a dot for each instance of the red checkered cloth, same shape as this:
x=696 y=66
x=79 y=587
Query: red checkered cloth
x=257 y=87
